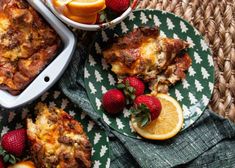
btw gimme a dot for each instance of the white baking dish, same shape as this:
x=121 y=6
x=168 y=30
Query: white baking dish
x=53 y=71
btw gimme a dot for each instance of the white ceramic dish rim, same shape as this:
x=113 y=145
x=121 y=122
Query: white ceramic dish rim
x=53 y=71
x=92 y=27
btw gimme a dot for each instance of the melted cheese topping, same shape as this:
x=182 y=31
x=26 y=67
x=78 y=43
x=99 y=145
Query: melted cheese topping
x=4 y=23
x=148 y=51
x=147 y=59
x=57 y=132
x=27 y=45
x=142 y=53
x=49 y=133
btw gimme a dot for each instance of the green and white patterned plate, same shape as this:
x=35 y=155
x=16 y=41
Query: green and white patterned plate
x=193 y=93
x=98 y=138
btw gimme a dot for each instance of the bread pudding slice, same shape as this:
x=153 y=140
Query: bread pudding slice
x=144 y=53
x=57 y=140
x=27 y=45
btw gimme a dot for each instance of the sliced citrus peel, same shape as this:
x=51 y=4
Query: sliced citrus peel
x=59 y=3
x=82 y=11
x=167 y=125
x=86 y=7
x=89 y=19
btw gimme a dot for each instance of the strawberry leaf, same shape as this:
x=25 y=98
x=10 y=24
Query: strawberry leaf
x=128 y=90
x=2 y=151
x=6 y=158
x=131 y=89
x=120 y=86
x=103 y=16
x=135 y=111
x=144 y=121
x=143 y=108
x=12 y=159
x=142 y=114
x=132 y=97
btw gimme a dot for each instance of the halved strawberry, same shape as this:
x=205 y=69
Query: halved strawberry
x=146 y=109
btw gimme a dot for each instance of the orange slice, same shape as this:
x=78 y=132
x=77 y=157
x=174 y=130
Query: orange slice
x=86 y=7
x=89 y=19
x=23 y=164
x=59 y=3
x=86 y=20
x=167 y=125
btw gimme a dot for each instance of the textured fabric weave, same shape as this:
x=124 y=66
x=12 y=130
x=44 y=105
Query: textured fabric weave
x=215 y=20
x=210 y=142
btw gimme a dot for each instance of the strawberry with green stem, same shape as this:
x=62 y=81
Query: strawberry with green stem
x=146 y=109
x=13 y=145
x=132 y=87
x=6 y=157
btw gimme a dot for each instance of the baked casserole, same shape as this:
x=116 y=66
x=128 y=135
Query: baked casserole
x=158 y=60
x=27 y=45
x=57 y=140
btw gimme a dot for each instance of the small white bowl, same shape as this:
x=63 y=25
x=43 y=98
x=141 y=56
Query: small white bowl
x=91 y=27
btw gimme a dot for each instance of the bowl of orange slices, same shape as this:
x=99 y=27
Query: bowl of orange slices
x=91 y=15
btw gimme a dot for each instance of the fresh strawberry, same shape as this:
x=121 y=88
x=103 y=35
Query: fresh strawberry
x=132 y=87
x=113 y=101
x=136 y=84
x=117 y=6
x=1 y=162
x=146 y=109
x=14 y=142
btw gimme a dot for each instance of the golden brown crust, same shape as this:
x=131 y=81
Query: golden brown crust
x=142 y=52
x=145 y=54
x=57 y=140
x=27 y=44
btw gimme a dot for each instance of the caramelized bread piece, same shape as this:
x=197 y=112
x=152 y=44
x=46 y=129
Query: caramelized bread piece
x=142 y=52
x=145 y=54
x=57 y=140
x=27 y=45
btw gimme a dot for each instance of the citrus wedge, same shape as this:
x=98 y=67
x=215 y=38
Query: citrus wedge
x=89 y=19
x=86 y=7
x=167 y=125
x=59 y=3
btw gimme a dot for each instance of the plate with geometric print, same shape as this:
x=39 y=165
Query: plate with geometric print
x=193 y=93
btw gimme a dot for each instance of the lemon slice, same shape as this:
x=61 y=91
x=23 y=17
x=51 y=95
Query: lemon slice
x=167 y=125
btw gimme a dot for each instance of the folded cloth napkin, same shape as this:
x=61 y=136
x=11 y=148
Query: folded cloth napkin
x=209 y=142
